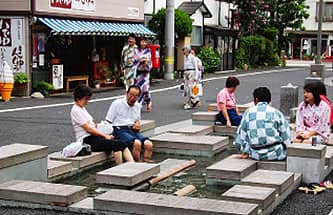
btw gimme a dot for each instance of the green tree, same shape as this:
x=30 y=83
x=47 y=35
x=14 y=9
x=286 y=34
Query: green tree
x=254 y=16
x=183 y=24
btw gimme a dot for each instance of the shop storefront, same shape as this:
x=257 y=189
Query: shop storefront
x=65 y=39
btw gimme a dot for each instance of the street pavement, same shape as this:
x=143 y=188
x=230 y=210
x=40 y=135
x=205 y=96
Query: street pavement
x=47 y=121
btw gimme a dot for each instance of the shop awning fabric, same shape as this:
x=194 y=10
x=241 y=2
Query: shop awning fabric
x=76 y=27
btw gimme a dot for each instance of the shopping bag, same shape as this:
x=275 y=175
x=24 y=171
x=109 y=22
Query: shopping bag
x=105 y=127
x=196 y=90
x=72 y=149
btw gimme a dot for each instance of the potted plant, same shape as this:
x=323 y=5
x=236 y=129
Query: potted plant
x=43 y=87
x=21 y=81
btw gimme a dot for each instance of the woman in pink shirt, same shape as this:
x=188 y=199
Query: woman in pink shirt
x=226 y=104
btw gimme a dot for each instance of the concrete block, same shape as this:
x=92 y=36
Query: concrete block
x=193 y=130
x=208 y=118
x=312 y=169
x=147 y=125
x=81 y=161
x=288 y=98
x=272 y=165
x=306 y=150
x=189 y=145
x=17 y=153
x=42 y=193
x=241 y=108
x=212 y=107
x=169 y=164
x=262 y=196
x=56 y=168
x=224 y=130
x=30 y=170
x=133 y=202
x=312 y=80
x=329 y=156
x=317 y=70
x=231 y=168
x=127 y=174
x=279 y=180
x=87 y=203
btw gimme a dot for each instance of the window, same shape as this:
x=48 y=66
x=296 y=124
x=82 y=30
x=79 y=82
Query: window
x=147 y=18
x=327 y=11
x=196 y=36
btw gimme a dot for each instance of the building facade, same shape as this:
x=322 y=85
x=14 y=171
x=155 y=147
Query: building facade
x=52 y=39
x=211 y=25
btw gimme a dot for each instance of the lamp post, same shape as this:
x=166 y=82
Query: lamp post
x=169 y=59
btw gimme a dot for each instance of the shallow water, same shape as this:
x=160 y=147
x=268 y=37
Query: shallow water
x=192 y=176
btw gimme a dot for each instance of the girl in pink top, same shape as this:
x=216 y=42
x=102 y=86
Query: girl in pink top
x=313 y=117
x=226 y=104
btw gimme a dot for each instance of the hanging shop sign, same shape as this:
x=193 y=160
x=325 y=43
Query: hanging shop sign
x=12 y=42
x=86 y=5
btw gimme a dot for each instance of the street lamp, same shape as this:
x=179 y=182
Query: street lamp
x=320 y=21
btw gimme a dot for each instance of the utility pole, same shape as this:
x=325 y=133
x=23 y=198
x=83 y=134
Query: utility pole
x=320 y=21
x=169 y=59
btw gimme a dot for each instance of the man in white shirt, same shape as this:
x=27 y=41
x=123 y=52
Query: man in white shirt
x=125 y=115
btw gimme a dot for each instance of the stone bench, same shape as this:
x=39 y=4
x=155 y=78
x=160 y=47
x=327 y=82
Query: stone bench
x=272 y=165
x=224 y=130
x=127 y=174
x=23 y=161
x=241 y=108
x=147 y=127
x=279 y=180
x=230 y=170
x=42 y=192
x=206 y=146
x=57 y=168
x=264 y=197
x=193 y=130
x=133 y=202
x=204 y=118
x=81 y=161
x=308 y=160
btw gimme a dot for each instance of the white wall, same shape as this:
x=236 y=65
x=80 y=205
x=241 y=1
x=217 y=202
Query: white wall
x=310 y=23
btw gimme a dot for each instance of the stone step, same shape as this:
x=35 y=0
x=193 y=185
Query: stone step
x=279 y=180
x=147 y=127
x=204 y=118
x=224 y=130
x=57 y=168
x=133 y=202
x=127 y=174
x=262 y=196
x=272 y=165
x=170 y=163
x=204 y=145
x=231 y=169
x=17 y=153
x=306 y=150
x=23 y=161
x=87 y=204
x=329 y=156
x=81 y=161
x=193 y=130
x=241 y=108
x=42 y=192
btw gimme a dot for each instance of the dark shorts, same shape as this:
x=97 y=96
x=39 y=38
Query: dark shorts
x=235 y=119
x=128 y=135
x=100 y=144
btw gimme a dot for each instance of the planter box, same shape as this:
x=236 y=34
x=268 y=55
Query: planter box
x=20 y=89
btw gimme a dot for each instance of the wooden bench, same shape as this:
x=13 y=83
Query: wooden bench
x=69 y=79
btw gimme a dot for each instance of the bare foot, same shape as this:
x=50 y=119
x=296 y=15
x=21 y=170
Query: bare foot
x=243 y=156
x=146 y=160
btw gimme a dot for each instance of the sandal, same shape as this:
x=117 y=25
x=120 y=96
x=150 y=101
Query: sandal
x=313 y=188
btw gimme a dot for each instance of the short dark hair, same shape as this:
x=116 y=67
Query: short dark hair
x=135 y=87
x=313 y=88
x=321 y=88
x=132 y=35
x=232 y=82
x=262 y=94
x=142 y=38
x=82 y=91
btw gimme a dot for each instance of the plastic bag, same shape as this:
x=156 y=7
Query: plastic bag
x=196 y=90
x=72 y=149
x=105 y=127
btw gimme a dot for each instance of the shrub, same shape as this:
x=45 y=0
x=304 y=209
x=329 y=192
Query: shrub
x=210 y=57
x=241 y=58
x=21 y=78
x=43 y=87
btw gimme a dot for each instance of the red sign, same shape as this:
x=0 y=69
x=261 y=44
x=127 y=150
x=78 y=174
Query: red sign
x=5 y=32
x=65 y=4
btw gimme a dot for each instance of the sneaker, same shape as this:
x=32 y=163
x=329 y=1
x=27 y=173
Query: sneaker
x=187 y=107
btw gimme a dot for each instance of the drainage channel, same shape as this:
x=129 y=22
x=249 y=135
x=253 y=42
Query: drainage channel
x=192 y=176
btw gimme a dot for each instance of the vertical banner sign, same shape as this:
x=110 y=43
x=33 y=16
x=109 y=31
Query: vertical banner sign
x=57 y=76
x=12 y=42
